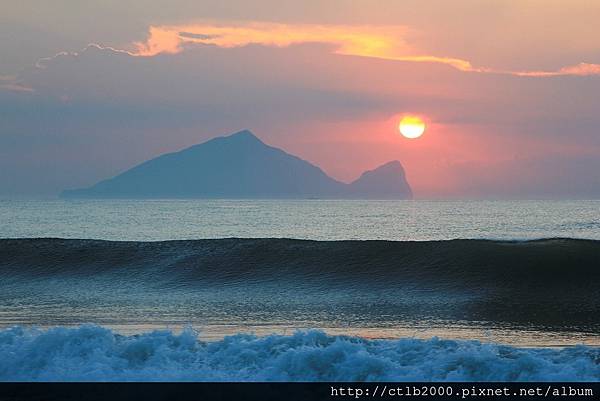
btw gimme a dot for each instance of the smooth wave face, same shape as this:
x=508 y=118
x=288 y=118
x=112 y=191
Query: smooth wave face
x=93 y=353
x=552 y=283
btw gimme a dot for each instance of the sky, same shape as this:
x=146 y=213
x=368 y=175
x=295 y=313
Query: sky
x=509 y=90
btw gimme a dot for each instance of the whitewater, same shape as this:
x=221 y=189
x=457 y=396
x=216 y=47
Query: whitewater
x=94 y=353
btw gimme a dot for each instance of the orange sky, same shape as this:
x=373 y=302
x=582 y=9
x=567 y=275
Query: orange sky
x=509 y=90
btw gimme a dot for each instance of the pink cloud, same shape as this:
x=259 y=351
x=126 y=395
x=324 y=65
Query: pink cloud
x=382 y=42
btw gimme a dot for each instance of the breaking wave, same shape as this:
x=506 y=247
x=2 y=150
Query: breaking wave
x=94 y=353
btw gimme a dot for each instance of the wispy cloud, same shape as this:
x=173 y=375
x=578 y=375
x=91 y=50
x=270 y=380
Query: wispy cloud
x=383 y=42
x=581 y=69
x=13 y=84
x=41 y=63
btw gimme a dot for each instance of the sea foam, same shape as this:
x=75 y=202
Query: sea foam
x=94 y=353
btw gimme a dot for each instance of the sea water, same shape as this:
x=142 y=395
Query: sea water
x=418 y=220
x=378 y=279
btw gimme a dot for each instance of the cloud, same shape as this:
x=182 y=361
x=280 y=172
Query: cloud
x=367 y=41
x=581 y=69
x=42 y=62
x=382 y=42
x=13 y=84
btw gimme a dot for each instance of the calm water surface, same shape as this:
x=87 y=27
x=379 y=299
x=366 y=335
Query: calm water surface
x=150 y=220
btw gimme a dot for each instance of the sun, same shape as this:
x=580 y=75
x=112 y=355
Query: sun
x=411 y=127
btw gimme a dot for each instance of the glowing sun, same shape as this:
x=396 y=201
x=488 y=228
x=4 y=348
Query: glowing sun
x=411 y=127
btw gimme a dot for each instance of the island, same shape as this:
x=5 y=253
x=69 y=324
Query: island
x=241 y=166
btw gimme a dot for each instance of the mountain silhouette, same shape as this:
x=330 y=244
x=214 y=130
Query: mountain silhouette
x=242 y=166
x=386 y=181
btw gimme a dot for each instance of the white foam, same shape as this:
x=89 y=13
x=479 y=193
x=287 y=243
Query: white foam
x=93 y=353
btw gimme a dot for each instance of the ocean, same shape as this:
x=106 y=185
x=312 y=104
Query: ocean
x=299 y=290
x=409 y=220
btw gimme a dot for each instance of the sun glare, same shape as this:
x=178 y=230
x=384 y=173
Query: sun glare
x=411 y=127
